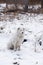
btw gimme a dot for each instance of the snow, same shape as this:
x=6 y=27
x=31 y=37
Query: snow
x=2 y=6
x=33 y=24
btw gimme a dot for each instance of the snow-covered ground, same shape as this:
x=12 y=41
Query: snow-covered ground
x=33 y=24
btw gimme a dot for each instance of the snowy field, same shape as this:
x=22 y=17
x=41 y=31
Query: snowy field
x=33 y=24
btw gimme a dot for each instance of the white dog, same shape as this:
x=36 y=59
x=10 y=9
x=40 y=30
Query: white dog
x=17 y=39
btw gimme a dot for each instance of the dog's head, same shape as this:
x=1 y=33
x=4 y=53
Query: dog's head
x=21 y=30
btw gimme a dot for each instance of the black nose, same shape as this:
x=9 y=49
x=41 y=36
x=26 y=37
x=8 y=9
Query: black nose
x=22 y=32
x=40 y=43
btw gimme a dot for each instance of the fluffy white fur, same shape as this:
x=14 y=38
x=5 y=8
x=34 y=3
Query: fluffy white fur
x=17 y=39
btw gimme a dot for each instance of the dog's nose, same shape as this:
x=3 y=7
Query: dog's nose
x=22 y=32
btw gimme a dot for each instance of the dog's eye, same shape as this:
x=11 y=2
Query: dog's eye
x=18 y=28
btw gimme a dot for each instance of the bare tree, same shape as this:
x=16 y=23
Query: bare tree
x=41 y=3
x=26 y=5
x=26 y=8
